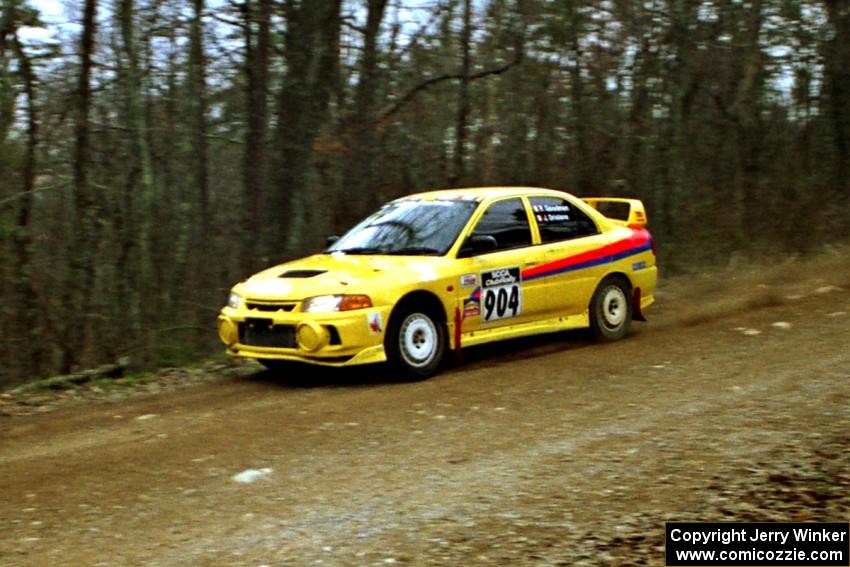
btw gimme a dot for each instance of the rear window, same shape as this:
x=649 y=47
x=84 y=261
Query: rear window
x=558 y=220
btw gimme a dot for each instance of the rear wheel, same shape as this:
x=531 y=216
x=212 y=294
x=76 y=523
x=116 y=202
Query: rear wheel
x=415 y=343
x=611 y=309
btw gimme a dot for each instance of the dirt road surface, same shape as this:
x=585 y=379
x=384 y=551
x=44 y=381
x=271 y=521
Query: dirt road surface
x=732 y=403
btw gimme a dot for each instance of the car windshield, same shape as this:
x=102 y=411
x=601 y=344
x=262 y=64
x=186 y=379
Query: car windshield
x=408 y=227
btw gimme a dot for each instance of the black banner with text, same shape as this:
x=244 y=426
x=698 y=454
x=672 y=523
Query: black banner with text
x=764 y=544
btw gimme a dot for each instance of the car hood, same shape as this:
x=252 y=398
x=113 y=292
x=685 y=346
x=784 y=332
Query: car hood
x=325 y=274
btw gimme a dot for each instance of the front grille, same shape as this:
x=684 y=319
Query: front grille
x=262 y=333
x=271 y=305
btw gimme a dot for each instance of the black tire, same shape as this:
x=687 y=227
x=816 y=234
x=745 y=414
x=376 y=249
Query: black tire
x=415 y=343
x=276 y=366
x=610 y=309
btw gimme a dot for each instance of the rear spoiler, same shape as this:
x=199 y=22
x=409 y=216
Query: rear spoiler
x=629 y=212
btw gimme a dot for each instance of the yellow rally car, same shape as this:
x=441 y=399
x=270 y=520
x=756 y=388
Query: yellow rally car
x=448 y=269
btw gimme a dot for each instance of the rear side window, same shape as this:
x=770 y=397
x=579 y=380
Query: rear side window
x=559 y=220
x=507 y=222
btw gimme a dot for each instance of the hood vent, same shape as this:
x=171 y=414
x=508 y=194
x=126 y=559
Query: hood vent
x=301 y=273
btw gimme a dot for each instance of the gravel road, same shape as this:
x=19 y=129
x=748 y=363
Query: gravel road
x=732 y=403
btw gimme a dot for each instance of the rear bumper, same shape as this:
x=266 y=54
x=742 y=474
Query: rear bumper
x=328 y=339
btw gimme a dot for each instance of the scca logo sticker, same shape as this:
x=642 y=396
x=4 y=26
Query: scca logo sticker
x=501 y=294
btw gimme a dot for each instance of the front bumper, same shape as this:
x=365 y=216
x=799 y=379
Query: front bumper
x=330 y=339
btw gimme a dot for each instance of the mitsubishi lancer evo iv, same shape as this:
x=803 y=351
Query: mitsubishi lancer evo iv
x=442 y=270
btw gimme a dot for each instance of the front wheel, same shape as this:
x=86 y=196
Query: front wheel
x=415 y=343
x=276 y=366
x=611 y=309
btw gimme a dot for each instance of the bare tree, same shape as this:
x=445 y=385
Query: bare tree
x=311 y=52
x=463 y=105
x=81 y=276
x=257 y=30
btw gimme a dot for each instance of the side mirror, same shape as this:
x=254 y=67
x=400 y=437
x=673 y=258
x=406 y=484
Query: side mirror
x=478 y=244
x=330 y=241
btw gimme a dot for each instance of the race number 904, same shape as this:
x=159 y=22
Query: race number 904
x=501 y=292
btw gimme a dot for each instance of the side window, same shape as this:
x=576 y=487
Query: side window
x=559 y=220
x=507 y=222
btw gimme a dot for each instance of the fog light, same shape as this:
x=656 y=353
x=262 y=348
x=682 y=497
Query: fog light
x=312 y=336
x=227 y=331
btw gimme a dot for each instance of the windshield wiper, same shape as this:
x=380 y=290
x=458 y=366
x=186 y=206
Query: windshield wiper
x=359 y=250
x=415 y=251
x=406 y=251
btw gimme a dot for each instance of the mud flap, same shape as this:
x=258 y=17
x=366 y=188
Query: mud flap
x=458 y=329
x=637 y=314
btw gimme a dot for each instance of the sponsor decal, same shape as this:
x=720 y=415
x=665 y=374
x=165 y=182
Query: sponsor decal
x=501 y=292
x=469 y=280
x=376 y=324
x=461 y=197
x=551 y=213
x=471 y=308
x=502 y=276
x=636 y=244
x=639 y=265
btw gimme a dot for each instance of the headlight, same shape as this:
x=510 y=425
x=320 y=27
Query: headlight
x=327 y=303
x=234 y=301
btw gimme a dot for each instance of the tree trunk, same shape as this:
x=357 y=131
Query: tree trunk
x=201 y=250
x=675 y=183
x=312 y=57
x=79 y=287
x=463 y=106
x=579 y=161
x=134 y=255
x=32 y=351
x=255 y=168
x=7 y=91
x=362 y=180
x=198 y=94
x=747 y=108
x=837 y=90
x=513 y=157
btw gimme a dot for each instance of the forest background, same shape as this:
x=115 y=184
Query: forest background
x=153 y=152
